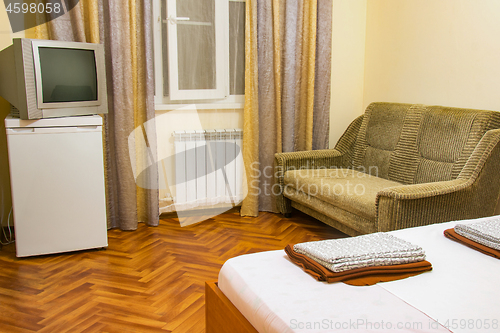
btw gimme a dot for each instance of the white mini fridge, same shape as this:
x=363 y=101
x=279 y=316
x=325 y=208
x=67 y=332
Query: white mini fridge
x=57 y=184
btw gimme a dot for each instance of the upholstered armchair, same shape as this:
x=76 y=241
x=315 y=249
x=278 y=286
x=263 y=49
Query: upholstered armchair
x=398 y=166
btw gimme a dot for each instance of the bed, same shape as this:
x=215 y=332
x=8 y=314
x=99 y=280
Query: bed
x=266 y=292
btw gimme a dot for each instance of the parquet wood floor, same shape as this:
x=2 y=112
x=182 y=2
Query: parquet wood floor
x=149 y=280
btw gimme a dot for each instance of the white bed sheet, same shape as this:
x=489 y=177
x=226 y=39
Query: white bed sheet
x=460 y=292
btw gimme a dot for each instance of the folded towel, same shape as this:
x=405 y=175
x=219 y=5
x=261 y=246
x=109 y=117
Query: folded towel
x=363 y=276
x=485 y=231
x=452 y=234
x=378 y=249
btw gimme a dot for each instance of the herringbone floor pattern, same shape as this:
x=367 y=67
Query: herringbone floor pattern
x=150 y=280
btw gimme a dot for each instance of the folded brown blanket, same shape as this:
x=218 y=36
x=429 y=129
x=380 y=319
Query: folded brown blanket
x=451 y=234
x=359 y=276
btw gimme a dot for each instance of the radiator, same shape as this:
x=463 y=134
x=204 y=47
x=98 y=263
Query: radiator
x=208 y=168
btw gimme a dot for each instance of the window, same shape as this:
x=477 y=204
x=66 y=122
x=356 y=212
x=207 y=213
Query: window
x=199 y=51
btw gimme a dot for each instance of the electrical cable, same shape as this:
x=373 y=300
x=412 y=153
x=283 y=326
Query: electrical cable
x=10 y=239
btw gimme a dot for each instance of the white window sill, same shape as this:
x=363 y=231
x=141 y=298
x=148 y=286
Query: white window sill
x=231 y=102
x=199 y=106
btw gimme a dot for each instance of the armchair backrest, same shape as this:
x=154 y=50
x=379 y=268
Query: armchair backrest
x=413 y=143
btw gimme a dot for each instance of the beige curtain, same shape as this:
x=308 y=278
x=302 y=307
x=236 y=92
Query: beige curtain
x=125 y=29
x=287 y=88
x=80 y=24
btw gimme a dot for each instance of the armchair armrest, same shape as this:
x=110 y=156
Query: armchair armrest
x=420 y=191
x=314 y=159
x=422 y=204
x=473 y=194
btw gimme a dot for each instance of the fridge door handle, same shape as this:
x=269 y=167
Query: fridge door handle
x=19 y=130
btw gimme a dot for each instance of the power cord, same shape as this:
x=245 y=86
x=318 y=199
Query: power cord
x=10 y=238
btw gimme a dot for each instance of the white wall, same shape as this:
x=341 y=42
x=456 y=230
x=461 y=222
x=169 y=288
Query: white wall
x=438 y=52
x=348 y=64
x=442 y=52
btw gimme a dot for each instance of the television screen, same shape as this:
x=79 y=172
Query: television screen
x=68 y=75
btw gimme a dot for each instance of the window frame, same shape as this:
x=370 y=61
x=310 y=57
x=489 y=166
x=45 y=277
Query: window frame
x=164 y=102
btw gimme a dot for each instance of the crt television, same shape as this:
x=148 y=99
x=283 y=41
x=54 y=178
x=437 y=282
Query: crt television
x=46 y=78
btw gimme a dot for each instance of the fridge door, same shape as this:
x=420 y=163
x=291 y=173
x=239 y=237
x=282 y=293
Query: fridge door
x=57 y=185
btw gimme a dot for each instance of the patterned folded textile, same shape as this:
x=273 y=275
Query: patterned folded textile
x=363 y=276
x=452 y=234
x=378 y=249
x=485 y=231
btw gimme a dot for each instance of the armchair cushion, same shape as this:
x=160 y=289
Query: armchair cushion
x=350 y=190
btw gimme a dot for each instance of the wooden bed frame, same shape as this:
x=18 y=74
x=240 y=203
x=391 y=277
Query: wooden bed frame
x=221 y=316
